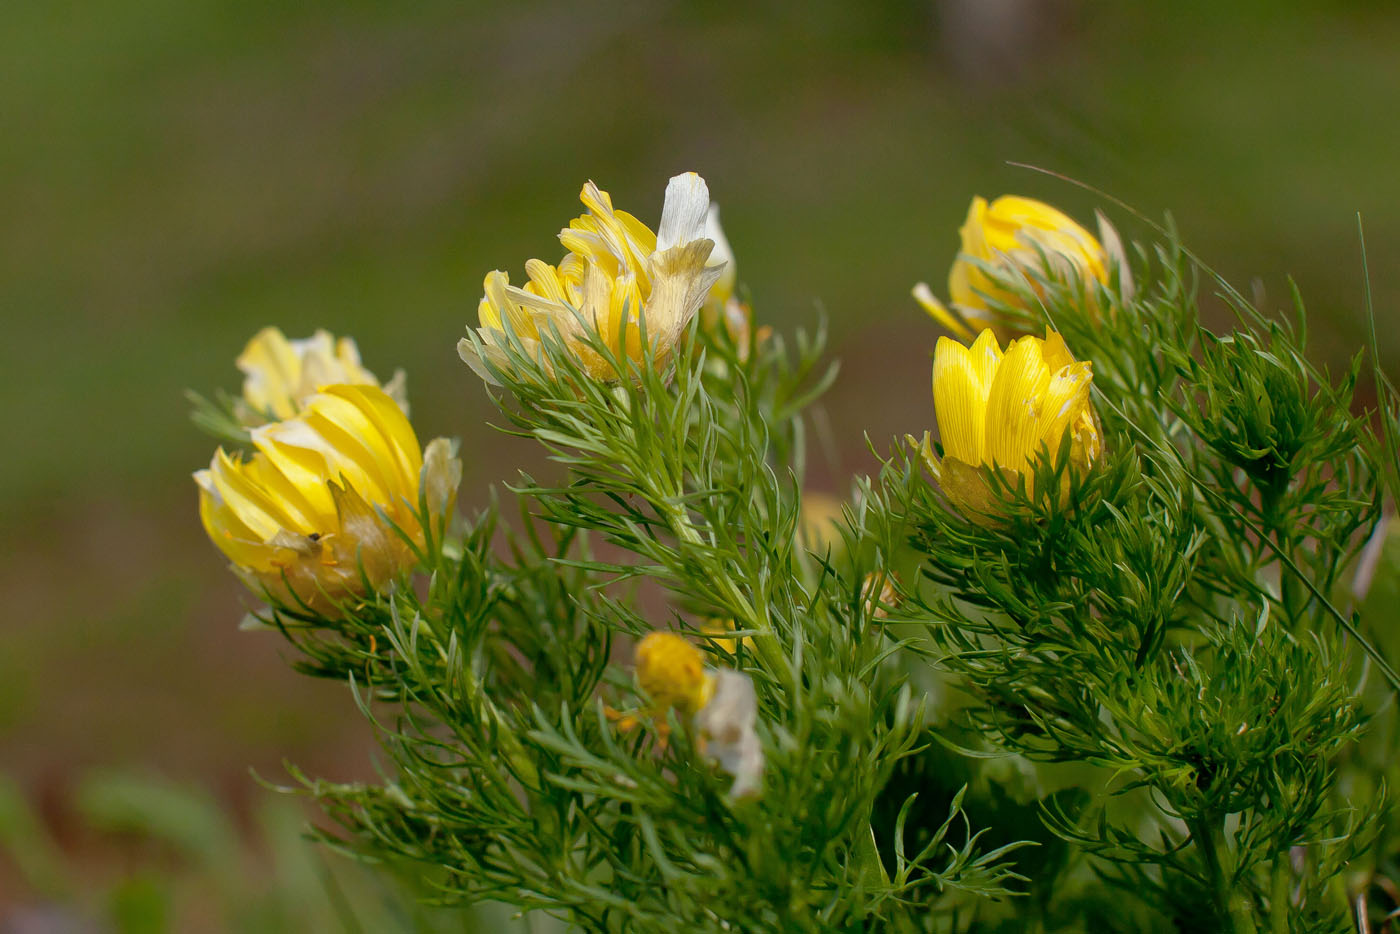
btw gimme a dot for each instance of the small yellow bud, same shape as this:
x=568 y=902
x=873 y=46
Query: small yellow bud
x=1012 y=232
x=672 y=672
x=1000 y=411
x=615 y=266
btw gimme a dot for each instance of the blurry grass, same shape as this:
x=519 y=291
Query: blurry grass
x=188 y=866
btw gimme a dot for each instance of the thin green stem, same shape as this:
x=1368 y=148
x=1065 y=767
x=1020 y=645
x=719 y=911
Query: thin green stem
x=1280 y=896
x=1210 y=840
x=742 y=606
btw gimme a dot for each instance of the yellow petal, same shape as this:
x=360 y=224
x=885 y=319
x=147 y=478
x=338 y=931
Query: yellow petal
x=939 y=312
x=1015 y=405
x=958 y=402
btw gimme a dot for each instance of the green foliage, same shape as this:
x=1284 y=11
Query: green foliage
x=1135 y=697
x=1171 y=623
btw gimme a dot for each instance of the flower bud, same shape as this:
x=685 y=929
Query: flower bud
x=1011 y=233
x=316 y=513
x=1001 y=411
x=672 y=672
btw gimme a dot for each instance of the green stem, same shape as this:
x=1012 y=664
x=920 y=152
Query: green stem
x=1210 y=840
x=1280 y=898
x=742 y=607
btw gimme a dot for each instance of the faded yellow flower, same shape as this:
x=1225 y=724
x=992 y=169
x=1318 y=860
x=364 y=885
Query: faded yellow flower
x=727 y=724
x=718 y=632
x=672 y=672
x=281 y=374
x=616 y=267
x=721 y=703
x=308 y=516
x=819 y=522
x=879 y=591
x=1012 y=232
x=1000 y=411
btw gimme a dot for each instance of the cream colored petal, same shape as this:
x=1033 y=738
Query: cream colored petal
x=683 y=212
x=1116 y=256
x=442 y=475
x=720 y=256
x=680 y=282
x=271 y=367
x=727 y=725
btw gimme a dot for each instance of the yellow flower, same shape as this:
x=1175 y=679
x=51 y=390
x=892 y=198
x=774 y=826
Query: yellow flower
x=615 y=266
x=1012 y=233
x=819 y=521
x=281 y=374
x=717 y=631
x=672 y=672
x=1002 y=411
x=308 y=516
x=723 y=704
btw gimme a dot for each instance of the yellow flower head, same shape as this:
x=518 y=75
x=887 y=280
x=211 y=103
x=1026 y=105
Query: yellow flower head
x=311 y=509
x=672 y=672
x=281 y=374
x=1012 y=232
x=615 y=266
x=1002 y=410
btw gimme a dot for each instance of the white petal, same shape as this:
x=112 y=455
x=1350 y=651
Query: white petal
x=683 y=212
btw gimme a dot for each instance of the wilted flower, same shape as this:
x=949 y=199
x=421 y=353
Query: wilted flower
x=615 y=267
x=673 y=675
x=1001 y=411
x=311 y=516
x=722 y=307
x=1013 y=232
x=672 y=672
x=727 y=731
x=281 y=374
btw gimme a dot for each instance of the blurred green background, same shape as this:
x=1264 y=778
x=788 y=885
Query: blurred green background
x=175 y=174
